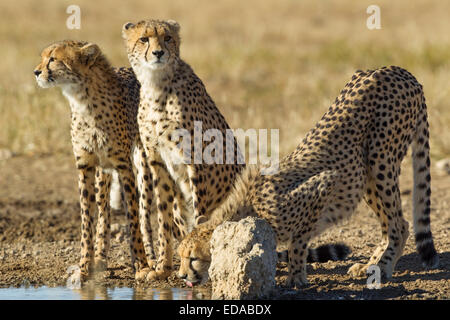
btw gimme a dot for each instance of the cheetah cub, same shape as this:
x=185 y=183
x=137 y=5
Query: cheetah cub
x=353 y=153
x=104 y=103
x=187 y=186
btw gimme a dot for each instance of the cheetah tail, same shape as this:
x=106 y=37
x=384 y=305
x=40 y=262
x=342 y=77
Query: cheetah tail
x=422 y=192
x=323 y=253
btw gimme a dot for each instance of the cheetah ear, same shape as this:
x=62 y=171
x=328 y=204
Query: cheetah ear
x=89 y=54
x=175 y=26
x=127 y=27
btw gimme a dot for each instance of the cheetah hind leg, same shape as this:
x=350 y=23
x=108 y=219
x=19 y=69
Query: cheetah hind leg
x=394 y=231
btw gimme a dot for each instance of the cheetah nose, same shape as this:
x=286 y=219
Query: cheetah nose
x=37 y=73
x=158 y=53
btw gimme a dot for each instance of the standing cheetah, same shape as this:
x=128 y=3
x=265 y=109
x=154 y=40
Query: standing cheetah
x=104 y=103
x=353 y=153
x=174 y=99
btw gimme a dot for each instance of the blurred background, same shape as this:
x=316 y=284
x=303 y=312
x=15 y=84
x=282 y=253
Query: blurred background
x=267 y=64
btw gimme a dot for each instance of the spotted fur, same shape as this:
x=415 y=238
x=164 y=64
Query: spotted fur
x=104 y=103
x=354 y=152
x=187 y=188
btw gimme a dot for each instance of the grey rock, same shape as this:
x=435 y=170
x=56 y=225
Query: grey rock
x=243 y=260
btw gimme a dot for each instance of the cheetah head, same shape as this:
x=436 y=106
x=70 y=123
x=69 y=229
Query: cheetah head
x=195 y=249
x=65 y=63
x=195 y=256
x=152 y=44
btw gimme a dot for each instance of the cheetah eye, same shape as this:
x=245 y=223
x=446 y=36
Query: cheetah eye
x=51 y=59
x=193 y=259
x=167 y=38
x=144 y=39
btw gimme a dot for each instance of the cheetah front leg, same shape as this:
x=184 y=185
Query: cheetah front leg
x=145 y=187
x=297 y=254
x=86 y=178
x=315 y=193
x=103 y=236
x=198 y=189
x=127 y=180
x=163 y=187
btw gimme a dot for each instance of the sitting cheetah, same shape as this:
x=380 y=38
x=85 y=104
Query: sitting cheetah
x=104 y=103
x=353 y=152
x=174 y=100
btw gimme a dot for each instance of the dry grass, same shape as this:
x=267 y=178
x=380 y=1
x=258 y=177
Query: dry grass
x=267 y=64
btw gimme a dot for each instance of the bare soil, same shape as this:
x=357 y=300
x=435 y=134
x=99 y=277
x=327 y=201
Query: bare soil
x=40 y=231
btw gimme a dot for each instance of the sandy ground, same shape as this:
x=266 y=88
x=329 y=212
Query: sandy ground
x=40 y=224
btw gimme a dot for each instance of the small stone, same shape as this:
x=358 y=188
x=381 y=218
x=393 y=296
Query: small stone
x=443 y=165
x=68 y=249
x=199 y=296
x=6 y=154
x=315 y=265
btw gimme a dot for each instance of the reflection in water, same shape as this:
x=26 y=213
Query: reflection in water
x=99 y=292
x=171 y=294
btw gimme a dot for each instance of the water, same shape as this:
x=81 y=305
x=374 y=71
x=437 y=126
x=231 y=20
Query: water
x=102 y=293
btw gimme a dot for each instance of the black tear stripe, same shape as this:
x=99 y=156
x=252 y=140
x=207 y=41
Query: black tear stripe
x=134 y=46
x=146 y=50
x=48 y=68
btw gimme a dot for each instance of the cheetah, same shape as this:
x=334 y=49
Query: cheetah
x=174 y=100
x=104 y=103
x=354 y=152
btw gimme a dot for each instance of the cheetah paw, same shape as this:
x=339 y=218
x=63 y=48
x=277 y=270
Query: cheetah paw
x=296 y=283
x=358 y=270
x=158 y=275
x=142 y=274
